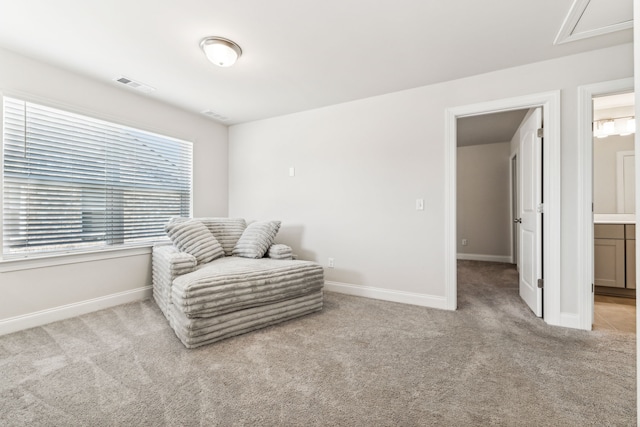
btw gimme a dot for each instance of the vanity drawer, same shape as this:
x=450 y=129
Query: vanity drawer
x=609 y=231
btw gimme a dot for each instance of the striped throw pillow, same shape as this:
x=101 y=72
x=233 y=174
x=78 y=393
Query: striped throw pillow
x=256 y=239
x=194 y=238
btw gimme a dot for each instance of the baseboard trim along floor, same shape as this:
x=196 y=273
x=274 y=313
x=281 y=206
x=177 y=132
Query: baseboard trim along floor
x=423 y=300
x=39 y=318
x=487 y=258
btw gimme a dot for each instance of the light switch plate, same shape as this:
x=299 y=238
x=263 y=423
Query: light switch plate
x=292 y=171
x=419 y=204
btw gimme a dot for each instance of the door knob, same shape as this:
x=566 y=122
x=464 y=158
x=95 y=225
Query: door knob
x=517 y=220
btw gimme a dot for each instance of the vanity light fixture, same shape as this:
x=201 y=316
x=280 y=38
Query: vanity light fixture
x=630 y=126
x=222 y=52
x=619 y=126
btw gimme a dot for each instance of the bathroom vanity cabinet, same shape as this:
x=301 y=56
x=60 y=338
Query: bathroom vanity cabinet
x=614 y=254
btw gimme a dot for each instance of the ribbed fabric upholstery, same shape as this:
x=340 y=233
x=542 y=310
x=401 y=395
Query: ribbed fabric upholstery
x=207 y=302
x=280 y=251
x=167 y=264
x=193 y=237
x=197 y=332
x=235 y=283
x=256 y=239
x=226 y=230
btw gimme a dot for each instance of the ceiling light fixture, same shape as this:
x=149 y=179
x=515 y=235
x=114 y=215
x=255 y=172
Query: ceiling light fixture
x=222 y=52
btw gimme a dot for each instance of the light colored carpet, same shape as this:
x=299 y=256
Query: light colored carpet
x=359 y=362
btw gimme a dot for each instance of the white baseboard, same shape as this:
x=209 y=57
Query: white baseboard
x=39 y=318
x=387 y=295
x=488 y=258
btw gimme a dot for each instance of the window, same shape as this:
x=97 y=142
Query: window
x=71 y=182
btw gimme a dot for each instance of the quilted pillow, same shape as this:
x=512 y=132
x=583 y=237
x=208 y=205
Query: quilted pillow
x=193 y=237
x=256 y=239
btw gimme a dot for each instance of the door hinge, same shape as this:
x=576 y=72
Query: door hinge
x=541 y=283
x=540 y=132
x=540 y=208
x=592 y=288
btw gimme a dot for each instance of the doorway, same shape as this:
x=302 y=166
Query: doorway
x=614 y=245
x=485 y=145
x=498 y=213
x=550 y=103
x=586 y=193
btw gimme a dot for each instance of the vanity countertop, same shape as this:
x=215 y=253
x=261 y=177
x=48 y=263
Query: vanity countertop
x=614 y=218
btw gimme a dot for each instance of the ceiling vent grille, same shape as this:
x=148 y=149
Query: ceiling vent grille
x=141 y=87
x=215 y=115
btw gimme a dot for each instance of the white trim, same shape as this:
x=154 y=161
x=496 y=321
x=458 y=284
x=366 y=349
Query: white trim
x=412 y=298
x=512 y=236
x=450 y=210
x=488 y=258
x=585 y=192
x=567 y=34
x=550 y=103
x=39 y=318
x=18 y=264
x=614 y=218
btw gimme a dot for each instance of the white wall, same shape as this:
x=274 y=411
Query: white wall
x=605 y=170
x=361 y=165
x=33 y=295
x=484 y=203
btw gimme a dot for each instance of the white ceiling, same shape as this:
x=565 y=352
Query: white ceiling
x=297 y=55
x=489 y=128
x=614 y=101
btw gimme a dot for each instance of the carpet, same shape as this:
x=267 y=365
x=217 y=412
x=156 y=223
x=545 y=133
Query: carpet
x=359 y=362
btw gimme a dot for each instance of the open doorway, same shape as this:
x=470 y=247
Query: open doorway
x=499 y=195
x=485 y=146
x=549 y=103
x=614 y=244
x=586 y=236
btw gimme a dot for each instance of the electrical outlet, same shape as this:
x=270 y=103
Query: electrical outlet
x=465 y=242
x=330 y=263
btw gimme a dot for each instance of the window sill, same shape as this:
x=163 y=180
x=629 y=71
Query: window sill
x=44 y=261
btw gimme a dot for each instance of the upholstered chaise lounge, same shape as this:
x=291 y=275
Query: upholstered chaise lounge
x=222 y=278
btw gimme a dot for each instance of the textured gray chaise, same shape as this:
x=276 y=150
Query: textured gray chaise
x=222 y=278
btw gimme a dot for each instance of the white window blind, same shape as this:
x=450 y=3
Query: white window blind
x=72 y=182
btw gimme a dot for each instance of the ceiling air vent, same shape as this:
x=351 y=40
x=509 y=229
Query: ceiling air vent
x=215 y=115
x=141 y=87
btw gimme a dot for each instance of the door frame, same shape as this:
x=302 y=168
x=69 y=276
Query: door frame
x=550 y=103
x=585 y=191
x=514 y=204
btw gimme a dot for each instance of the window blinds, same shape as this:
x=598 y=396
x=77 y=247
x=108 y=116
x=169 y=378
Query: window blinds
x=73 y=182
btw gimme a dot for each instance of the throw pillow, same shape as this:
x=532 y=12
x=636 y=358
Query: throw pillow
x=194 y=238
x=279 y=251
x=256 y=239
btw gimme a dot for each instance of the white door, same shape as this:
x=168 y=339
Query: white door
x=530 y=234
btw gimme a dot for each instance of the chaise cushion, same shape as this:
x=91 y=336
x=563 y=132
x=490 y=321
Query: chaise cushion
x=193 y=237
x=235 y=283
x=256 y=239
